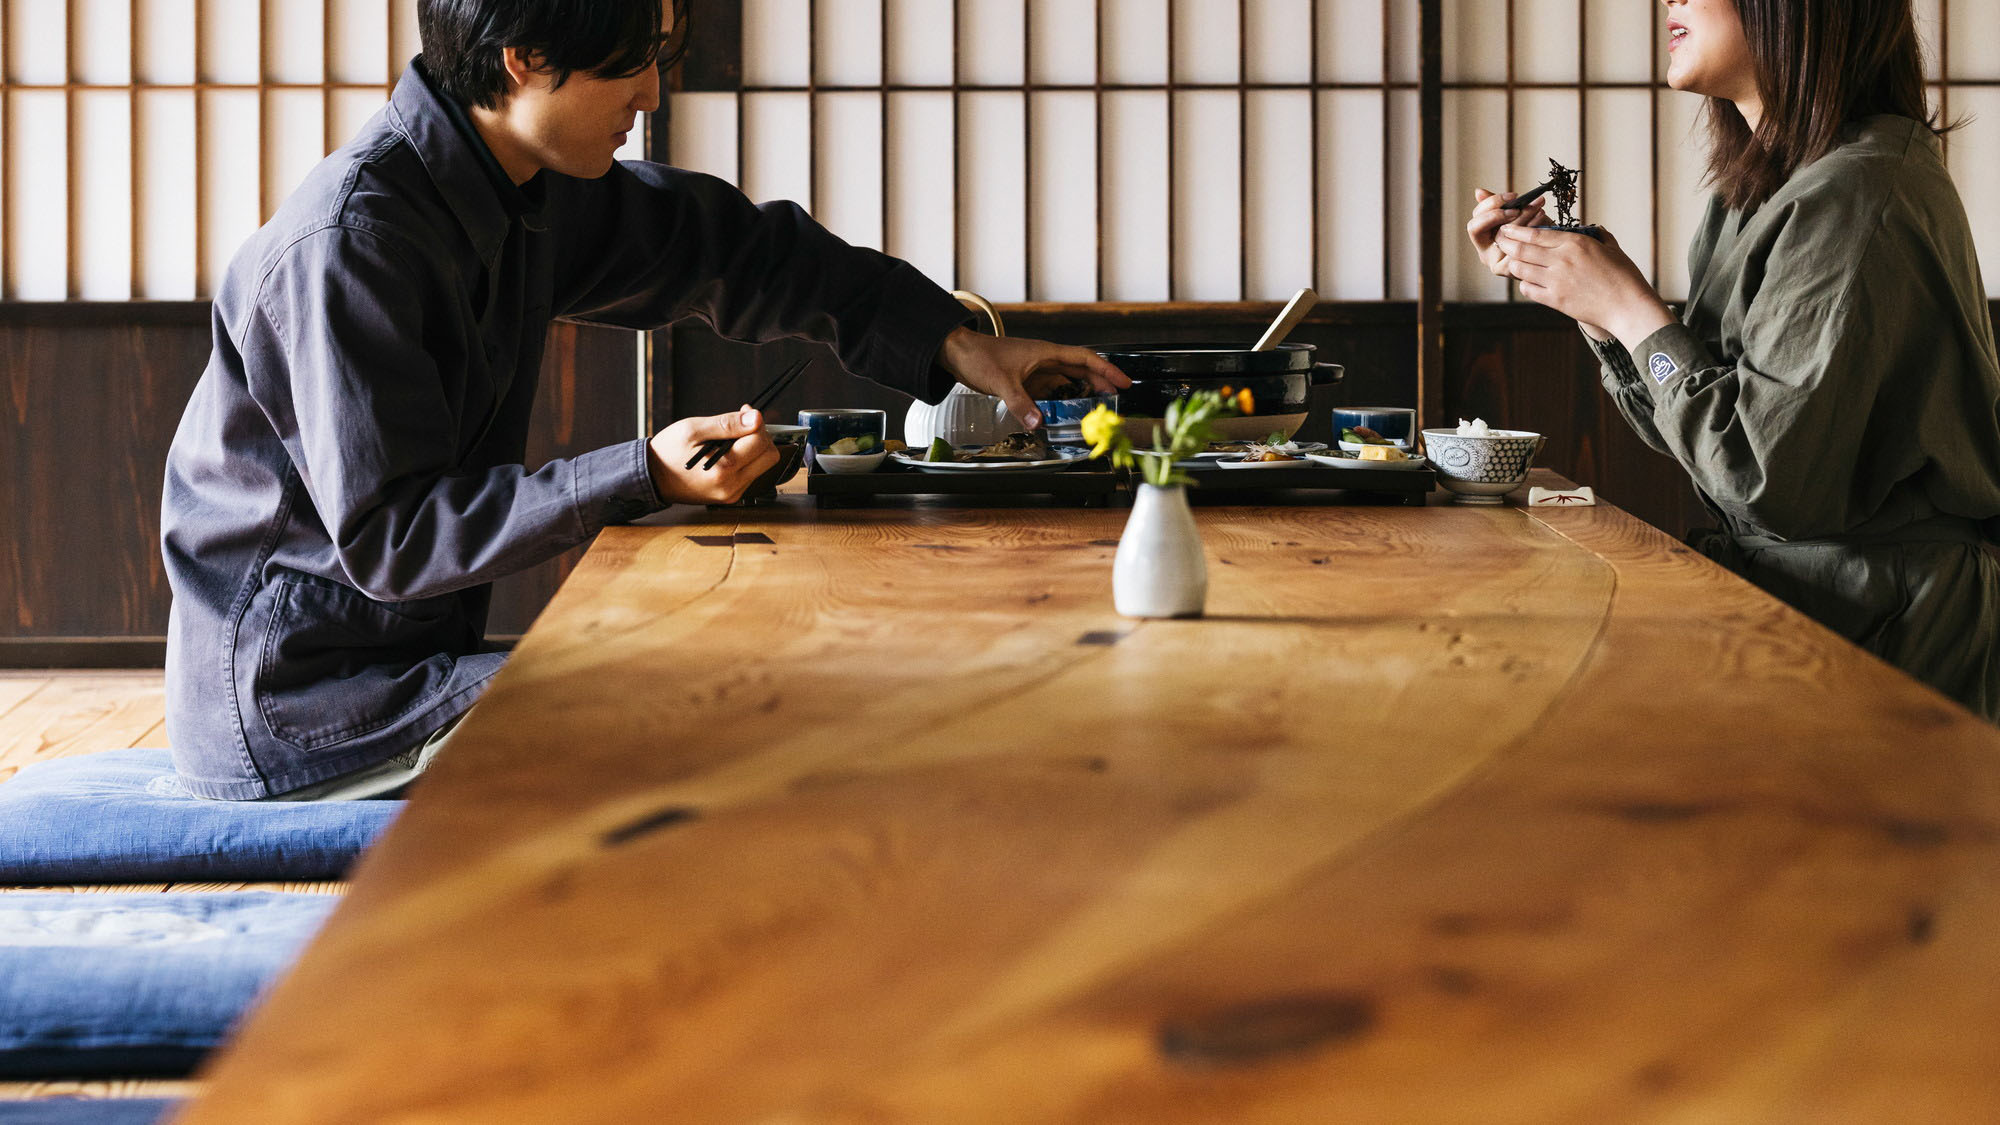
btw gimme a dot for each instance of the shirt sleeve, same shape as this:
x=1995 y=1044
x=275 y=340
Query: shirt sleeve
x=647 y=245
x=375 y=433
x=1779 y=436
x=1621 y=381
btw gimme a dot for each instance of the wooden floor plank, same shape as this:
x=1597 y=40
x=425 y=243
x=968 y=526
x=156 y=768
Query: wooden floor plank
x=324 y=887
x=78 y=714
x=14 y=689
x=99 y=1089
x=89 y=889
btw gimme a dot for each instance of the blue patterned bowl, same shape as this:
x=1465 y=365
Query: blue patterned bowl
x=1480 y=470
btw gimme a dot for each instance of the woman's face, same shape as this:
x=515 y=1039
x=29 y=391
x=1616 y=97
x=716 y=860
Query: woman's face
x=1706 y=51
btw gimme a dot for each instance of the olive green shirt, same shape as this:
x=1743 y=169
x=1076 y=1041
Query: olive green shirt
x=1834 y=392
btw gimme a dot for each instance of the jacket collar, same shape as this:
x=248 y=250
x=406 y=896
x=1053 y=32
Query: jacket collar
x=471 y=181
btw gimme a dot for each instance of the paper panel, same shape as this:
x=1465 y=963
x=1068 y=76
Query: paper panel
x=104 y=196
x=848 y=46
x=1135 y=197
x=922 y=230
x=1065 y=42
x=1065 y=197
x=166 y=207
x=1354 y=216
x=1279 y=202
x=992 y=186
x=990 y=45
x=850 y=167
x=1207 y=41
x=37 y=218
x=702 y=135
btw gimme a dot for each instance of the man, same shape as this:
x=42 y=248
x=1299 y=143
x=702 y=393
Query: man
x=347 y=480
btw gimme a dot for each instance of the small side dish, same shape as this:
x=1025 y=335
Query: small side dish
x=850 y=446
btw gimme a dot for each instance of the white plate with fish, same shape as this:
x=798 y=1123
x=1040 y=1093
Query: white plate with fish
x=1222 y=451
x=1239 y=461
x=1062 y=456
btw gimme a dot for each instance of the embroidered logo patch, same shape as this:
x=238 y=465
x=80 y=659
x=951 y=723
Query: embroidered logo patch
x=1663 y=367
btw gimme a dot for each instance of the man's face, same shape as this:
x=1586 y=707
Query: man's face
x=577 y=128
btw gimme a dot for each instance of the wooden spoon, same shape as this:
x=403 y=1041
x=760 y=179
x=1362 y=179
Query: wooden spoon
x=1294 y=311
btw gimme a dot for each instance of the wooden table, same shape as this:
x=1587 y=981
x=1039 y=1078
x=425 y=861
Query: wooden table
x=1442 y=814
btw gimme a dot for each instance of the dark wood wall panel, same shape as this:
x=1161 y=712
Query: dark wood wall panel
x=94 y=393
x=1525 y=367
x=588 y=398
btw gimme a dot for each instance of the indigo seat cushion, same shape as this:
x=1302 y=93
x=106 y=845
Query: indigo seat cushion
x=87 y=1111
x=122 y=816
x=137 y=983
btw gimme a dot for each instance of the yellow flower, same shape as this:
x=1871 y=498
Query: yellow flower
x=1102 y=428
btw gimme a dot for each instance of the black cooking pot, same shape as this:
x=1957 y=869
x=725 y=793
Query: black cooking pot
x=1280 y=380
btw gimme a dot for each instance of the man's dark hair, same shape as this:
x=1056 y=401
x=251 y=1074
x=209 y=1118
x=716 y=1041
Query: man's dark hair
x=1820 y=65
x=463 y=39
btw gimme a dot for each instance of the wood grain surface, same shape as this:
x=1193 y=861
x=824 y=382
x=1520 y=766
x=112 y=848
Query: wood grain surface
x=1441 y=814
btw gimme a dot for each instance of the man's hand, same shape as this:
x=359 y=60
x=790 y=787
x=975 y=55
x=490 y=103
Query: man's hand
x=1018 y=371
x=750 y=453
x=1591 y=281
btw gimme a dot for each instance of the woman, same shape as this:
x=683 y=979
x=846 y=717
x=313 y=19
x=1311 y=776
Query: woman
x=1831 y=384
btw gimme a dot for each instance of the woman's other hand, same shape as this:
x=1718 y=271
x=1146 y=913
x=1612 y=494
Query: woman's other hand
x=1588 y=279
x=1492 y=213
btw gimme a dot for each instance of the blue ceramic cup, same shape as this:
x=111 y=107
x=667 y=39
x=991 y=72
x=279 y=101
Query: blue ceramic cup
x=1397 y=423
x=824 y=427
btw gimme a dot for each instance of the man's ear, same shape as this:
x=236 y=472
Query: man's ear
x=521 y=65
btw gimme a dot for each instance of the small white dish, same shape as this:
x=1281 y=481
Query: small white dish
x=1356 y=447
x=850 y=463
x=1414 y=461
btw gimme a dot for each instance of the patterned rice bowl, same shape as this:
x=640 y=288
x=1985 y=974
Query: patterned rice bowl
x=1482 y=469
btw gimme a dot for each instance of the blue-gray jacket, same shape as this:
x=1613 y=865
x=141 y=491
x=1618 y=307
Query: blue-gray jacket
x=347 y=479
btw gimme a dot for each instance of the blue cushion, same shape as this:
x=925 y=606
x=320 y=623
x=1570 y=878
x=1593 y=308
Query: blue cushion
x=88 y=1111
x=137 y=983
x=122 y=816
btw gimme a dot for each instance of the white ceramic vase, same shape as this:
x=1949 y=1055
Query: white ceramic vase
x=1159 y=570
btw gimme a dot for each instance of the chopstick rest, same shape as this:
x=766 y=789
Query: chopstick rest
x=1555 y=498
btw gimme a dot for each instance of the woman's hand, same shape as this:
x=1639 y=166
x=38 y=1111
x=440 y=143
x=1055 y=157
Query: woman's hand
x=1492 y=213
x=1018 y=371
x=1589 y=280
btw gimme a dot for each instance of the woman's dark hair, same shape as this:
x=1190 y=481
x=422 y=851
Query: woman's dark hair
x=1820 y=65
x=463 y=39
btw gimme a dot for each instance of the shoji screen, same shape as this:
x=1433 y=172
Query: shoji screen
x=142 y=140
x=1086 y=150
x=1581 y=81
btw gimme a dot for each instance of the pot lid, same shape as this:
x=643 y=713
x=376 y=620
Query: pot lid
x=1206 y=358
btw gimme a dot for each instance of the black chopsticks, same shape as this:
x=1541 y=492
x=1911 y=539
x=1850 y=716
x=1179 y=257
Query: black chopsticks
x=1522 y=202
x=714 y=448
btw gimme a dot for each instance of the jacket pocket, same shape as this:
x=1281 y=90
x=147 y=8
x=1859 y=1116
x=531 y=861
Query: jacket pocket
x=336 y=664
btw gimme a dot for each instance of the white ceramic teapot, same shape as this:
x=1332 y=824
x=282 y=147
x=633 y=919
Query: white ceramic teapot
x=964 y=417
